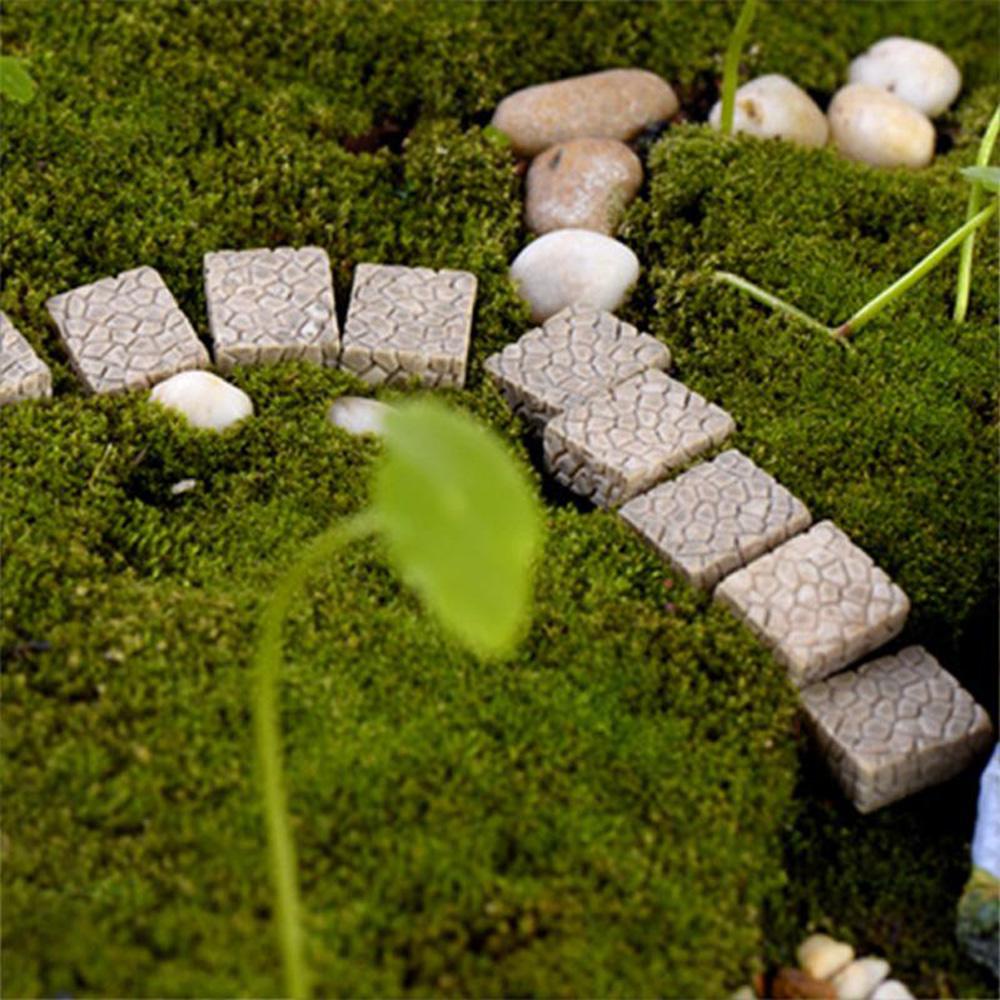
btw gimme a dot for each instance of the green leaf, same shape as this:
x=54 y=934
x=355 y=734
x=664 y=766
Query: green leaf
x=461 y=523
x=14 y=80
x=988 y=177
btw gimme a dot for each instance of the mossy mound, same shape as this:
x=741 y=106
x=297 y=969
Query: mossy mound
x=619 y=810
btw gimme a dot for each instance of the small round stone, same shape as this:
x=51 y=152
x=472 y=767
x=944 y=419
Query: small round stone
x=772 y=107
x=358 y=415
x=613 y=104
x=871 y=125
x=183 y=486
x=892 y=989
x=822 y=956
x=916 y=72
x=205 y=400
x=794 y=984
x=573 y=267
x=860 y=979
x=581 y=184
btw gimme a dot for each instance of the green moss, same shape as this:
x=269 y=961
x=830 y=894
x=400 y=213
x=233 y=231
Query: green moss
x=618 y=810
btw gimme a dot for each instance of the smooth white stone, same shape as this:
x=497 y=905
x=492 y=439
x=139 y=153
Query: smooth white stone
x=876 y=127
x=822 y=956
x=772 y=107
x=183 y=486
x=570 y=267
x=205 y=400
x=986 y=838
x=860 y=979
x=743 y=993
x=892 y=989
x=358 y=415
x=918 y=73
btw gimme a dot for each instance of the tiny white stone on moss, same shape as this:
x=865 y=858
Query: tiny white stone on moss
x=916 y=72
x=822 y=956
x=358 y=415
x=871 y=125
x=772 y=107
x=183 y=486
x=205 y=400
x=892 y=989
x=573 y=267
x=860 y=979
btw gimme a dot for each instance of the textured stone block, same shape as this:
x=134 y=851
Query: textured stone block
x=409 y=321
x=818 y=601
x=577 y=353
x=126 y=332
x=716 y=517
x=613 y=445
x=894 y=726
x=23 y=374
x=271 y=305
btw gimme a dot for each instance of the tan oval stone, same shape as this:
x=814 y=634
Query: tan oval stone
x=581 y=184
x=772 y=107
x=612 y=104
x=876 y=127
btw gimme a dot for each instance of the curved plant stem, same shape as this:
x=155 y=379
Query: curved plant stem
x=267 y=735
x=731 y=66
x=975 y=200
x=928 y=263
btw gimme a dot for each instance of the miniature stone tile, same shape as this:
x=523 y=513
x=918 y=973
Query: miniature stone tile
x=126 y=332
x=275 y=305
x=895 y=726
x=616 y=444
x=577 y=353
x=818 y=601
x=23 y=374
x=716 y=517
x=409 y=321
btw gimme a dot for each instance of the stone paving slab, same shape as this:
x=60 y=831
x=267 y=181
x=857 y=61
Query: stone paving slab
x=126 y=332
x=577 y=353
x=274 y=305
x=611 y=446
x=716 y=517
x=895 y=726
x=409 y=321
x=819 y=602
x=23 y=374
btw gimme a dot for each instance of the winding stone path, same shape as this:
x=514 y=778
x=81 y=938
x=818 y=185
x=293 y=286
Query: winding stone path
x=275 y=305
x=23 y=374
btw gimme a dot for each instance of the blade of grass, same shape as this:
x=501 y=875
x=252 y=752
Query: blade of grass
x=922 y=267
x=758 y=293
x=975 y=201
x=731 y=65
x=267 y=736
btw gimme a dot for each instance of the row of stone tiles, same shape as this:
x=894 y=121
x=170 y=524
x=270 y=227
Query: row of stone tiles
x=267 y=305
x=615 y=427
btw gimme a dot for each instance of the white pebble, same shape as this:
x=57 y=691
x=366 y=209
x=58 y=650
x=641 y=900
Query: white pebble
x=743 y=993
x=918 y=73
x=573 y=267
x=860 y=978
x=183 y=486
x=822 y=956
x=772 y=107
x=892 y=989
x=876 y=127
x=358 y=415
x=205 y=400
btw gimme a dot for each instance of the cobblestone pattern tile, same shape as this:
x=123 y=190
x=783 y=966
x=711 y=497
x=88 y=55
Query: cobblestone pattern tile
x=716 y=517
x=818 y=601
x=575 y=354
x=23 y=374
x=275 y=305
x=616 y=444
x=126 y=332
x=894 y=726
x=407 y=321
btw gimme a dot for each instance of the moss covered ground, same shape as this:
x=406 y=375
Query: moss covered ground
x=626 y=808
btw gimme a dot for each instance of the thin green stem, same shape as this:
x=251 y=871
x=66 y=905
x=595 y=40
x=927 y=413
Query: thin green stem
x=928 y=263
x=758 y=293
x=267 y=733
x=975 y=201
x=731 y=66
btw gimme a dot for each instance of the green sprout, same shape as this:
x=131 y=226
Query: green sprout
x=15 y=82
x=462 y=526
x=731 y=65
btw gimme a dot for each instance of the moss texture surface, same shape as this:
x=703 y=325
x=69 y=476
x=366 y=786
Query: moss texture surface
x=627 y=808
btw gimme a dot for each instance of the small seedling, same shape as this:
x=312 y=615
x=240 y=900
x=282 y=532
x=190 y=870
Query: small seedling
x=462 y=526
x=15 y=81
x=731 y=65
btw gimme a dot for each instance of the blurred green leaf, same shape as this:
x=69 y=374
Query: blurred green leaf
x=461 y=522
x=15 y=82
x=988 y=177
